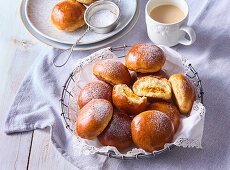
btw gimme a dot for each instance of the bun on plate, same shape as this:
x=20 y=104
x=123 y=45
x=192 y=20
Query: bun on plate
x=68 y=15
x=87 y=2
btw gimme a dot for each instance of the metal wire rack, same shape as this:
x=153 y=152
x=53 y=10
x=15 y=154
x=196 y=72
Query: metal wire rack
x=67 y=95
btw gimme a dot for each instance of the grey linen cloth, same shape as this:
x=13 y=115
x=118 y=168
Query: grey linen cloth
x=36 y=104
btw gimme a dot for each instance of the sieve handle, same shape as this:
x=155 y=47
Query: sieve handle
x=69 y=49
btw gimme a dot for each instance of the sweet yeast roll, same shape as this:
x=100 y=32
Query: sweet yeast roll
x=183 y=91
x=87 y=2
x=151 y=130
x=153 y=87
x=124 y=99
x=112 y=71
x=93 y=118
x=169 y=109
x=68 y=15
x=95 y=90
x=118 y=132
x=160 y=73
x=145 y=58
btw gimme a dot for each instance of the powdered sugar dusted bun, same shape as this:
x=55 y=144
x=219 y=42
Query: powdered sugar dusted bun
x=151 y=130
x=95 y=90
x=124 y=99
x=145 y=58
x=183 y=91
x=68 y=15
x=160 y=73
x=169 y=109
x=112 y=71
x=86 y=2
x=93 y=118
x=118 y=132
x=154 y=87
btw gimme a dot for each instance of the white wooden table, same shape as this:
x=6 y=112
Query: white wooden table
x=31 y=150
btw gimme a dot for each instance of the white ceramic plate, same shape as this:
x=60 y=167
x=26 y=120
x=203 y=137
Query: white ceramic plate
x=59 y=45
x=38 y=14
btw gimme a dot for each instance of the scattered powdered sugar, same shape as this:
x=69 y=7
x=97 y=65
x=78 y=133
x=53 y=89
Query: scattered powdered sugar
x=168 y=108
x=183 y=84
x=97 y=90
x=102 y=18
x=112 y=67
x=171 y=110
x=150 y=53
x=102 y=109
x=120 y=126
x=162 y=123
x=186 y=84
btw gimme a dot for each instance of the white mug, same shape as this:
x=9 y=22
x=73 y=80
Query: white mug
x=169 y=34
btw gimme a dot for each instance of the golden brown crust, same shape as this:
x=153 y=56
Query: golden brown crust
x=93 y=118
x=161 y=74
x=87 y=2
x=118 y=132
x=112 y=71
x=145 y=58
x=154 y=87
x=95 y=90
x=68 y=15
x=133 y=75
x=124 y=99
x=183 y=91
x=151 y=130
x=169 y=109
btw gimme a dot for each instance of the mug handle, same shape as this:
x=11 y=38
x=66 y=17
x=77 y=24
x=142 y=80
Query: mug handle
x=191 y=33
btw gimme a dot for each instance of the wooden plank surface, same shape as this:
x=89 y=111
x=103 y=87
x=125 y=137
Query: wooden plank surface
x=18 y=51
x=44 y=155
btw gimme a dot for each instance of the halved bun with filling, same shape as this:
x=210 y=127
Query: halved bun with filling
x=154 y=87
x=124 y=99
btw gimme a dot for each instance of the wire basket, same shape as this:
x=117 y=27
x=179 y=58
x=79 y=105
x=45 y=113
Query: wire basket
x=67 y=95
